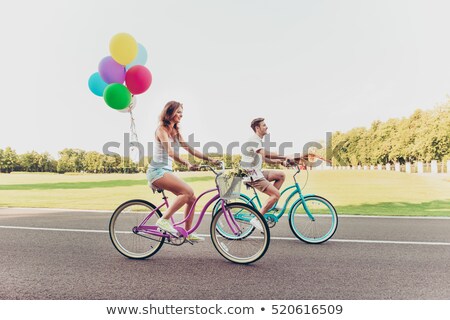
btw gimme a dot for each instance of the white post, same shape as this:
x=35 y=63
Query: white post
x=388 y=166
x=419 y=167
x=397 y=167
x=434 y=168
x=448 y=166
x=408 y=167
x=365 y=167
x=372 y=167
x=380 y=167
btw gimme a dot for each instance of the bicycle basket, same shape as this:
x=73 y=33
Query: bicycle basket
x=229 y=187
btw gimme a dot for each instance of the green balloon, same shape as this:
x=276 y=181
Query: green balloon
x=117 y=96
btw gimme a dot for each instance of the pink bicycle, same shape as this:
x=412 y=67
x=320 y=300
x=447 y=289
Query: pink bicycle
x=134 y=234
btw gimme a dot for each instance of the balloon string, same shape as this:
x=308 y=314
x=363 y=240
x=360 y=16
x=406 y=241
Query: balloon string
x=134 y=137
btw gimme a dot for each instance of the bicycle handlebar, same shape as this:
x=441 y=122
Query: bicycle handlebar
x=305 y=159
x=288 y=164
x=212 y=169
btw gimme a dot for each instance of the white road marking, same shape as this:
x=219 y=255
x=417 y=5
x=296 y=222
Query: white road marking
x=62 y=211
x=54 y=229
x=271 y=238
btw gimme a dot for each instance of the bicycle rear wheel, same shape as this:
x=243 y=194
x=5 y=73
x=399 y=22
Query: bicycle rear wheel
x=127 y=238
x=240 y=248
x=317 y=228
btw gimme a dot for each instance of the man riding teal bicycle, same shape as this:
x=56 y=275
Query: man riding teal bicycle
x=312 y=218
x=254 y=154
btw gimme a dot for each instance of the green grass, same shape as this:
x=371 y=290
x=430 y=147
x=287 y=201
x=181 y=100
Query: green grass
x=352 y=192
x=431 y=208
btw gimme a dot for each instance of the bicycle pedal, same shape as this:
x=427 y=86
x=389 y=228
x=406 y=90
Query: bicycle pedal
x=176 y=236
x=169 y=233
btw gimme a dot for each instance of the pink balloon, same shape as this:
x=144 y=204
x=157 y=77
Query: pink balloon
x=138 y=79
x=111 y=71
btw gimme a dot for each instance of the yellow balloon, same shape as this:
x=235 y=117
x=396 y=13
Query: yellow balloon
x=123 y=48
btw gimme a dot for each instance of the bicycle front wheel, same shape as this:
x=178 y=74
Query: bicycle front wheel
x=127 y=230
x=316 y=227
x=240 y=248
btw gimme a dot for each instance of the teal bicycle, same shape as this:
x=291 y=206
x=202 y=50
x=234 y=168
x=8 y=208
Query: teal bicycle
x=312 y=218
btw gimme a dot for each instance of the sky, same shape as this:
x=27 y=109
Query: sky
x=307 y=67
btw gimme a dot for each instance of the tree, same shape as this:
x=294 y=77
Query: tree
x=71 y=160
x=339 y=147
x=46 y=163
x=93 y=162
x=10 y=160
x=1 y=160
x=30 y=161
x=111 y=163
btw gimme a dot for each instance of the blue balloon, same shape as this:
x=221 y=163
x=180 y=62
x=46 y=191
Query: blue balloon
x=96 y=84
x=141 y=57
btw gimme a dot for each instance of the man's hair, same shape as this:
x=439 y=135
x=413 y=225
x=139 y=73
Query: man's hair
x=255 y=123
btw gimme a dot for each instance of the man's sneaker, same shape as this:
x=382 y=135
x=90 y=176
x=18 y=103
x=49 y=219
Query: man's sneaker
x=257 y=224
x=165 y=225
x=195 y=237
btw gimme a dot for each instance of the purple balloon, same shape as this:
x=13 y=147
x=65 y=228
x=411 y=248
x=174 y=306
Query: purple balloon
x=111 y=71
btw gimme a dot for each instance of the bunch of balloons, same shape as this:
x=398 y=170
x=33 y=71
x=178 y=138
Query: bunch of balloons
x=124 y=65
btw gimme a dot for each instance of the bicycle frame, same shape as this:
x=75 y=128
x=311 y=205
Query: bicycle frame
x=297 y=191
x=153 y=230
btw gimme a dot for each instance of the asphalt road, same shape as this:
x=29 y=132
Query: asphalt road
x=62 y=254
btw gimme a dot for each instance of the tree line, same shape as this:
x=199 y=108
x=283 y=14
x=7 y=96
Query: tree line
x=77 y=160
x=70 y=160
x=424 y=136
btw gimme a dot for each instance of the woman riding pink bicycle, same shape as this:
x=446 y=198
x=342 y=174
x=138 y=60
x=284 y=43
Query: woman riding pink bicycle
x=168 y=139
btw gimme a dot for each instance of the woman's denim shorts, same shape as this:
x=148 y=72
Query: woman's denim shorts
x=154 y=174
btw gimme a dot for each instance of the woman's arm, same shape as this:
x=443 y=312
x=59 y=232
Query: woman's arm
x=163 y=137
x=192 y=151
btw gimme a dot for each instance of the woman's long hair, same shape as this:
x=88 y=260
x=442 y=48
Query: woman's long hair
x=167 y=114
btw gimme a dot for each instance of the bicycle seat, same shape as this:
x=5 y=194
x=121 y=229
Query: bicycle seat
x=157 y=190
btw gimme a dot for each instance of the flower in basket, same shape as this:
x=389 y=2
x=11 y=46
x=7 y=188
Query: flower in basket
x=236 y=172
